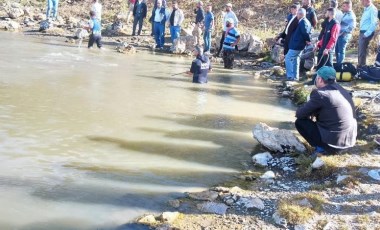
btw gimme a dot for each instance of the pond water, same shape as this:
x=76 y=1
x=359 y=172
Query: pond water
x=91 y=139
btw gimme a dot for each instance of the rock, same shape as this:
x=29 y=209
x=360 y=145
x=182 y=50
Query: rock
x=212 y=207
x=148 y=220
x=221 y=189
x=251 y=44
x=251 y=202
x=126 y=49
x=318 y=163
x=236 y=191
x=374 y=174
x=184 y=44
x=169 y=217
x=10 y=25
x=205 y=195
x=278 y=140
x=341 y=178
x=262 y=158
x=300 y=227
x=246 y=13
x=278 y=70
x=229 y=201
x=81 y=34
x=268 y=175
x=174 y=203
x=15 y=12
x=305 y=203
x=279 y=220
x=286 y=94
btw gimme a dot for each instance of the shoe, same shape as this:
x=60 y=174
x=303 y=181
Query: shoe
x=318 y=152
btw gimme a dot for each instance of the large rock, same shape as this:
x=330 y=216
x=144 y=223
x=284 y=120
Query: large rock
x=277 y=140
x=10 y=25
x=15 y=11
x=184 y=44
x=169 y=217
x=212 y=207
x=251 y=202
x=262 y=158
x=246 y=13
x=374 y=174
x=251 y=44
x=149 y=219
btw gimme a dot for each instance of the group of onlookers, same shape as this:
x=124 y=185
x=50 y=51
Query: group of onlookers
x=336 y=33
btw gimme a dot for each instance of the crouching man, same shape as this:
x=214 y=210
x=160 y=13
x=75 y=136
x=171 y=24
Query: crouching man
x=200 y=66
x=328 y=121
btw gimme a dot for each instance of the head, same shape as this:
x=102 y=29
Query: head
x=293 y=9
x=306 y=3
x=159 y=4
x=200 y=4
x=175 y=4
x=94 y=1
x=325 y=76
x=229 y=23
x=198 y=51
x=92 y=14
x=366 y=3
x=301 y=13
x=347 y=6
x=334 y=4
x=228 y=7
x=209 y=8
x=331 y=13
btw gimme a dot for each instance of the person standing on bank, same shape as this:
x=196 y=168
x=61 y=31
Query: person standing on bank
x=230 y=15
x=200 y=67
x=300 y=38
x=151 y=20
x=131 y=5
x=52 y=9
x=139 y=14
x=232 y=38
x=368 y=25
x=329 y=38
x=97 y=8
x=199 y=22
x=335 y=125
x=311 y=15
x=175 y=20
x=291 y=26
x=96 y=31
x=159 y=20
x=209 y=27
x=347 y=26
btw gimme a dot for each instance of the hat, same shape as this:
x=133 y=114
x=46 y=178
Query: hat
x=229 y=5
x=327 y=73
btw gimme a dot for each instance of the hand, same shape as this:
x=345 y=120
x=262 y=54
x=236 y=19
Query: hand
x=326 y=52
x=188 y=73
x=308 y=43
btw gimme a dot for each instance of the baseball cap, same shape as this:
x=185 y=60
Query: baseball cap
x=327 y=73
x=229 y=4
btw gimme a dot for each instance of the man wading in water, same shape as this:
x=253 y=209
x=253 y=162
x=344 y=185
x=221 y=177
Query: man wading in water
x=96 y=31
x=231 y=40
x=200 y=66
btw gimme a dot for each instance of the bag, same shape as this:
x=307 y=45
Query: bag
x=277 y=53
x=369 y=73
x=345 y=71
x=308 y=52
x=44 y=25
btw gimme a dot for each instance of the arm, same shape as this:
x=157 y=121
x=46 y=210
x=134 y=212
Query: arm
x=314 y=20
x=305 y=30
x=145 y=10
x=334 y=36
x=311 y=107
x=372 y=28
x=351 y=24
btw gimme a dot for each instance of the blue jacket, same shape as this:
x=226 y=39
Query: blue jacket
x=301 y=35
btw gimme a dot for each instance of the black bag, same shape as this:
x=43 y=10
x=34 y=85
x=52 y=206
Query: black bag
x=345 y=71
x=369 y=73
x=44 y=25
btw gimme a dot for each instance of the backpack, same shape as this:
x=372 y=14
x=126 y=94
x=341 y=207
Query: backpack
x=307 y=57
x=345 y=71
x=44 y=25
x=369 y=73
x=277 y=53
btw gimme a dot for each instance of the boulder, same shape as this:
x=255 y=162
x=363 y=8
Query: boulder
x=169 y=217
x=15 y=12
x=374 y=174
x=279 y=220
x=246 y=14
x=212 y=207
x=10 y=25
x=149 y=219
x=277 y=140
x=251 y=202
x=251 y=44
x=262 y=158
x=184 y=44
x=205 y=195
x=341 y=178
x=268 y=175
x=174 y=203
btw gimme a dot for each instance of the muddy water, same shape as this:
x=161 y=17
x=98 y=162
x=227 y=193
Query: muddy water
x=91 y=139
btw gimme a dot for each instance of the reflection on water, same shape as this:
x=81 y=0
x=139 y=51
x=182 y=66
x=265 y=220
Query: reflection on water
x=92 y=139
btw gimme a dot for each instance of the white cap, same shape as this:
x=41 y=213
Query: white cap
x=229 y=5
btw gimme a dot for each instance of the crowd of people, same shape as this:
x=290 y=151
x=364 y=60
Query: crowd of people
x=327 y=121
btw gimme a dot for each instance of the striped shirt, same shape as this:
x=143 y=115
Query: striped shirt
x=232 y=36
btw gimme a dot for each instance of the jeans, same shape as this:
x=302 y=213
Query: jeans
x=95 y=38
x=292 y=64
x=139 y=20
x=207 y=40
x=324 y=60
x=363 y=48
x=340 y=48
x=159 y=34
x=52 y=7
x=174 y=32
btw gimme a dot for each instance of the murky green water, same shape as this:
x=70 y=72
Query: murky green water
x=91 y=139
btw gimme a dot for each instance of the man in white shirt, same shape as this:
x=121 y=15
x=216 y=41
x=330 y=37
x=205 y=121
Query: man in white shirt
x=228 y=15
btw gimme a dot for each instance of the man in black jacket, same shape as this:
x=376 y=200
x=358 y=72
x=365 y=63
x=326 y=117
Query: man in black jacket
x=335 y=125
x=139 y=13
x=291 y=26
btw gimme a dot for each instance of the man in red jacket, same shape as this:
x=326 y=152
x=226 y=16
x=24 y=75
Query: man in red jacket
x=328 y=40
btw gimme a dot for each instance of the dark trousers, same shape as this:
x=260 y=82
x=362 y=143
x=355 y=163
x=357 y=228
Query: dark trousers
x=310 y=132
x=139 y=20
x=324 y=60
x=95 y=38
x=377 y=61
x=363 y=48
x=221 y=42
x=228 y=59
